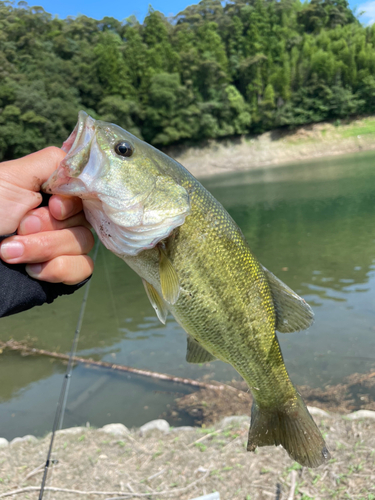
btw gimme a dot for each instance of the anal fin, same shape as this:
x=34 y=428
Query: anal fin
x=196 y=353
x=156 y=301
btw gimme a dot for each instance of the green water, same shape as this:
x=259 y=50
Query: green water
x=313 y=225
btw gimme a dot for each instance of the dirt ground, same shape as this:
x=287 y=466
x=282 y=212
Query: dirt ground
x=187 y=463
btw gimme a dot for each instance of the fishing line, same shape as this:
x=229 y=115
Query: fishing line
x=104 y=252
x=61 y=404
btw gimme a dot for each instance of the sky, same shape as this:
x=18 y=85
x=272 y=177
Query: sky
x=121 y=9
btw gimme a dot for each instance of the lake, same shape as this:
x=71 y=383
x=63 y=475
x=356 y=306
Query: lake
x=311 y=224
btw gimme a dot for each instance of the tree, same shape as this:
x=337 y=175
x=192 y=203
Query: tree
x=216 y=70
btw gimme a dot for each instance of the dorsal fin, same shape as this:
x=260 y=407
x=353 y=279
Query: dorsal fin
x=196 y=353
x=156 y=301
x=170 y=285
x=292 y=312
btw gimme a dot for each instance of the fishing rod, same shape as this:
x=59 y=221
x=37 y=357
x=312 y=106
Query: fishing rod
x=61 y=404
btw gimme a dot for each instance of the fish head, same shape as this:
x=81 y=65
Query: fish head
x=130 y=195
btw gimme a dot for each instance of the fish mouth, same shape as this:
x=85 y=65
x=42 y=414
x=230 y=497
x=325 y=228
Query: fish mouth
x=65 y=179
x=75 y=138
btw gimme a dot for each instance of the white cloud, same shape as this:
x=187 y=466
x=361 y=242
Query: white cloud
x=368 y=9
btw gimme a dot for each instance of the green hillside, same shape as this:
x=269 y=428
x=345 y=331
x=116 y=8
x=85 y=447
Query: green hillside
x=211 y=72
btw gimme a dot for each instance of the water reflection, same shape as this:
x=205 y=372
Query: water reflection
x=312 y=225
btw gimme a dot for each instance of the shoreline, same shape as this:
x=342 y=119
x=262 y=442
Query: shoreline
x=156 y=461
x=277 y=148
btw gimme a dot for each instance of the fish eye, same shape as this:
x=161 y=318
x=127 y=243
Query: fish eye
x=123 y=148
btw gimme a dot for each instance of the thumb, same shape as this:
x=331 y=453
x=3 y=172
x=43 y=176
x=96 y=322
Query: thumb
x=20 y=182
x=31 y=171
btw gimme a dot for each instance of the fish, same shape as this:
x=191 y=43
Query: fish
x=195 y=263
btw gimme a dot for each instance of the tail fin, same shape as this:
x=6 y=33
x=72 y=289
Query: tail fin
x=293 y=427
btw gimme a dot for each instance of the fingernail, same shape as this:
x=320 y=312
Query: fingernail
x=33 y=270
x=66 y=207
x=30 y=224
x=11 y=250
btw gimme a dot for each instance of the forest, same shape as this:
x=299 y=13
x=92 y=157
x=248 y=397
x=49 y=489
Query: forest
x=211 y=72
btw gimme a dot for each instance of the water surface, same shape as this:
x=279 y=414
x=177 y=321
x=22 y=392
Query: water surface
x=313 y=225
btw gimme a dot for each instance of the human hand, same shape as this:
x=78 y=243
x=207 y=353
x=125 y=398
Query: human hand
x=53 y=241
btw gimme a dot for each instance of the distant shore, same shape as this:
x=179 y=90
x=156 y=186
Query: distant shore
x=277 y=147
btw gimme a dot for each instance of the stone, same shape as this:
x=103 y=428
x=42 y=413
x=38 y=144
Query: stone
x=115 y=429
x=16 y=441
x=27 y=438
x=183 y=428
x=235 y=419
x=318 y=411
x=357 y=415
x=3 y=442
x=71 y=430
x=159 y=424
x=30 y=437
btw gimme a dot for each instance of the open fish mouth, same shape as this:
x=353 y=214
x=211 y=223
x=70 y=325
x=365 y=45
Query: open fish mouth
x=82 y=133
x=77 y=146
x=130 y=203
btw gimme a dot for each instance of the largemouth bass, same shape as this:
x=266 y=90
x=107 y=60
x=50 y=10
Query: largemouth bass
x=195 y=263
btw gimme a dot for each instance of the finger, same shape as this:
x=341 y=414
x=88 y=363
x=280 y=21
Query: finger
x=20 y=182
x=41 y=219
x=45 y=246
x=42 y=164
x=62 y=207
x=15 y=202
x=68 y=269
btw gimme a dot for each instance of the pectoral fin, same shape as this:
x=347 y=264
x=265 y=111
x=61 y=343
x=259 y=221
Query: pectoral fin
x=292 y=312
x=156 y=301
x=170 y=285
x=196 y=353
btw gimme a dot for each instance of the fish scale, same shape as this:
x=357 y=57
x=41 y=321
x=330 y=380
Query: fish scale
x=194 y=262
x=246 y=330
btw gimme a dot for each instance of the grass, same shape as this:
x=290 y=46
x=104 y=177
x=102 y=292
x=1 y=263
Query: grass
x=365 y=127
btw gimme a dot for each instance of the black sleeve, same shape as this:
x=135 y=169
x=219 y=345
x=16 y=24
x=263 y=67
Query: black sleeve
x=19 y=292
